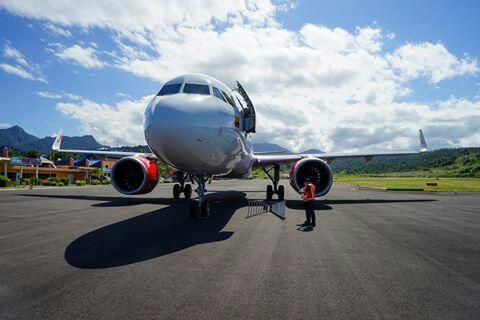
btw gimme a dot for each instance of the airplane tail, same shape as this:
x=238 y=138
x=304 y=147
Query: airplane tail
x=423 y=143
x=58 y=141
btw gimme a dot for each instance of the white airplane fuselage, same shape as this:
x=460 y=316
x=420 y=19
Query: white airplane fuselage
x=198 y=133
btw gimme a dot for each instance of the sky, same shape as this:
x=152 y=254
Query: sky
x=333 y=75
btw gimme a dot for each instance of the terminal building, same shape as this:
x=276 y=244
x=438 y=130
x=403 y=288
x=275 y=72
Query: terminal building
x=17 y=168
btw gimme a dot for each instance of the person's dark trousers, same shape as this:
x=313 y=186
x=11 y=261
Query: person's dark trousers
x=309 y=212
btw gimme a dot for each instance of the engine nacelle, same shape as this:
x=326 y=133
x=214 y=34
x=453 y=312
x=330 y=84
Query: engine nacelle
x=134 y=175
x=318 y=171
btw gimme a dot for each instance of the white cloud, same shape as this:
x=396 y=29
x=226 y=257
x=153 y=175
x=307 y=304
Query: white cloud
x=57 y=96
x=138 y=16
x=23 y=69
x=86 y=57
x=123 y=95
x=5 y=125
x=11 y=52
x=56 y=30
x=431 y=60
x=19 y=71
x=321 y=87
x=49 y=95
x=71 y=96
x=108 y=122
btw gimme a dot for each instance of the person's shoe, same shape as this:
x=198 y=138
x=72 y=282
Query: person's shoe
x=308 y=227
x=313 y=225
x=303 y=224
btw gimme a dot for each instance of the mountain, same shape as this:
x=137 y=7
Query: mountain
x=313 y=151
x=15 y=137
x=45 y=144
x=266 y=147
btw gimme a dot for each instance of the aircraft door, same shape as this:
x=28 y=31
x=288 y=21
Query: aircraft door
x=249 y=117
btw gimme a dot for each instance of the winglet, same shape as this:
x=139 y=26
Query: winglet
x=423 y=143
x=58 y=141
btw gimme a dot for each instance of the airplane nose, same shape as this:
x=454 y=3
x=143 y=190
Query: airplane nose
x=183 y=130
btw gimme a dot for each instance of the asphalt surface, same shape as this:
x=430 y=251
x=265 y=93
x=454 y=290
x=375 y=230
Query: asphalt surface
x=90 y=253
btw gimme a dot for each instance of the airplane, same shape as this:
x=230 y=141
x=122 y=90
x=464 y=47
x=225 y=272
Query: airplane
x=201 y=127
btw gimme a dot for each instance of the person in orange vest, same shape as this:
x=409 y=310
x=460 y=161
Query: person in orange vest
x=308 y=196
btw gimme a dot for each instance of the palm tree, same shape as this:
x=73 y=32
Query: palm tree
x=95 y=172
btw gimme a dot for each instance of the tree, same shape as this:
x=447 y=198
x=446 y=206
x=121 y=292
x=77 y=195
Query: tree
x=95 y=172
x=32 y=154
x=162 y=168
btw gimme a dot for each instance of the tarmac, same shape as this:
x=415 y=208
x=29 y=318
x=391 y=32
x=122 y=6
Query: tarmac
x=91 y=253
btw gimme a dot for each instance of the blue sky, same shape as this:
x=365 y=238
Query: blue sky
x=354 y=64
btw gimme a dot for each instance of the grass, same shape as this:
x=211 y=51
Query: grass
x=411 y=183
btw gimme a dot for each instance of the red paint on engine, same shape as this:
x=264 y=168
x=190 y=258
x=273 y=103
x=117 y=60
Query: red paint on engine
x=152 y=174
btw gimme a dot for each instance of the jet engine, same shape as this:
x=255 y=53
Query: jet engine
x=318 y=171
x=134 y=175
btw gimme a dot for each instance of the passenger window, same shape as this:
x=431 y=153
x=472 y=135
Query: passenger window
x=227 y=97
x=218 y=94
x=196 y=88
x=170 y=89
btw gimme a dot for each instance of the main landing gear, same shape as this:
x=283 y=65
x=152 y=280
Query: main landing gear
x=275 y=189
x=179 y=188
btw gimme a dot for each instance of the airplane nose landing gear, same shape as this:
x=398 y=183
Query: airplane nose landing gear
x=200 y=207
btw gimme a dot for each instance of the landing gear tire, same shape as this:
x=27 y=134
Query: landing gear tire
x=176 y=191
x=187 y=192
x=269 y=192
x=281 y=192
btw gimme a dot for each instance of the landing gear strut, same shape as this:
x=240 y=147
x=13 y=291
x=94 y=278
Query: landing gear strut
x=200 y=207
x=178 y=188
x=275 y=189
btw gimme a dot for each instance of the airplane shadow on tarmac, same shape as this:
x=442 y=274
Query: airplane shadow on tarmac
x=110 y=201
x=166 y=230
x=153 y=234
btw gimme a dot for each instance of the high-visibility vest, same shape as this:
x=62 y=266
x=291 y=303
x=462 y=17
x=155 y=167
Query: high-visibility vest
x=309 y=192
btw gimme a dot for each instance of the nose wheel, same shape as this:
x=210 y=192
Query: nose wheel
x=275 y=188
x=200 y=207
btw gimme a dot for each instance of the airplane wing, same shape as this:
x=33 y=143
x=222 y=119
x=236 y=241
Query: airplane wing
x=56 y=146
x=270 y=159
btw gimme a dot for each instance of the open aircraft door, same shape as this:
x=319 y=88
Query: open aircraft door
x=249 y=117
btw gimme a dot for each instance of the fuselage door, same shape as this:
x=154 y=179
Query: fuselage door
x=248 y=112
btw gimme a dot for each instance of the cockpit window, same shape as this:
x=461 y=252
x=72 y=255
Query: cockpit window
x=218 y=94
x=196 y=88
x=170 y=89
x=227 y=97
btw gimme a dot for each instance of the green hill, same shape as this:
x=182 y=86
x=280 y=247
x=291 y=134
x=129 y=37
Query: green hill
x=16 y=138
x=460 y=162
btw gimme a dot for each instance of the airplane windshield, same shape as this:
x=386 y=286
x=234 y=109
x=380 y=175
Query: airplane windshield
x=227 y=97
x=170 y=89
x=218 y=94
x=196 y=88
